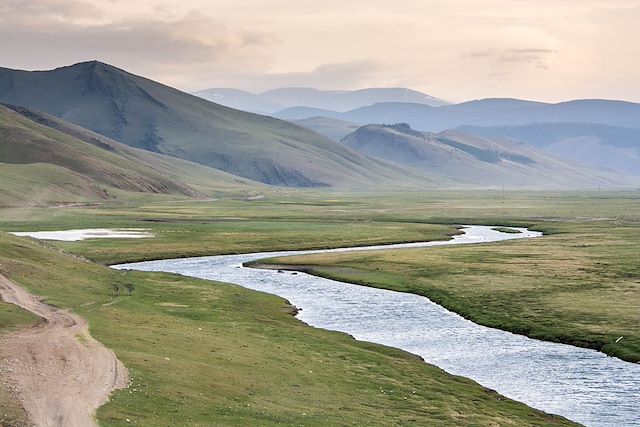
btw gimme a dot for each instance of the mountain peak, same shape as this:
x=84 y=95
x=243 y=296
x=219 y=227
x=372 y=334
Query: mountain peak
x=146 y=114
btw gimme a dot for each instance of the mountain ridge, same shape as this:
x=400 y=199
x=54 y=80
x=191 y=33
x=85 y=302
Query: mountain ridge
x=46 y=160
x=476 y=161
x=487 y=112
x=274 y=100
x=145 y=114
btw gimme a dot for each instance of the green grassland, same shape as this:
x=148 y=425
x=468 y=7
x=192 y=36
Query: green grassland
x=578 y=285
x=312 y=219
x=205 y=353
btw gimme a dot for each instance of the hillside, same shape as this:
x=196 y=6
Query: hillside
x=473 y=161
x=44 y=160
x=486 y=112
x=148 y=115
x=333 y=129
x=275 y=100
x=599 y=146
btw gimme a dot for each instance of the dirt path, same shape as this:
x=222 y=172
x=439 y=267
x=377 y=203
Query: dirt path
x=60 y=373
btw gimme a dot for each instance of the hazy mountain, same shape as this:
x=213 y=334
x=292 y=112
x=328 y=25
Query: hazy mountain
x=600 y=146
x=146 y=114
x=240 y=100
x=338 y=100
x=302 y=113
x=487 y=112
x=46 y=160
x=475 y=161
x=334 y=129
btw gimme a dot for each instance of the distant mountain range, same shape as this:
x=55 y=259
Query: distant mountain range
x=486 y=112
x=463 y=158
x=92 y=131
x=145 y=114
x=598 y=146
x=600 y=134
x=337 y=100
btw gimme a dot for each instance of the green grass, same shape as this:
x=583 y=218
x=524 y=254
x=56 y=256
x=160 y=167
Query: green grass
x=579 y=286
x=250 y=351
x=311 y=219
x=202 y=353
x=13 y=318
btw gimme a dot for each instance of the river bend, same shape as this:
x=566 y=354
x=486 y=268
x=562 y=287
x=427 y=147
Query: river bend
x=581 y=384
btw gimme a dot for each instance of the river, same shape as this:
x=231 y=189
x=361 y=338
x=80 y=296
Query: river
x=583 y=385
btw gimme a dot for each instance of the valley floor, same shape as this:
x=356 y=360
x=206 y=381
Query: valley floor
x=202 y=353
x=577 y=286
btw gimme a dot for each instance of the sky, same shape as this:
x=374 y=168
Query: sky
x=547 y=50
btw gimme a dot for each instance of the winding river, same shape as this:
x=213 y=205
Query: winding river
x=583 y=385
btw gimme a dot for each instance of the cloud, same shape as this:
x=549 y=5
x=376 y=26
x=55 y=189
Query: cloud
x=531 y=56
x=51 y=8
x=163 y=48
x=350 y=74
x=535 y=57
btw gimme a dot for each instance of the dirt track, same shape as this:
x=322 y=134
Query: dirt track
x=61 y=375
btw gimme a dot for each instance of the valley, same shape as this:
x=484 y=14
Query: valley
x=104 y=172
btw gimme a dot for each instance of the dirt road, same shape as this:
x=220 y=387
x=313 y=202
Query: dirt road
x=60 y=373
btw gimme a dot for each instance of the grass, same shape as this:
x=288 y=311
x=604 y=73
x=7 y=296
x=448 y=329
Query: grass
x=580 y=285
x=311 y=219
x=42 y=165
x=237 y=357
x=202 y=353
x=218 y=227
x=13 y=318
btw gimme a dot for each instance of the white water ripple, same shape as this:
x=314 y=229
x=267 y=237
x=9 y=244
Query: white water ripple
x=583 y=385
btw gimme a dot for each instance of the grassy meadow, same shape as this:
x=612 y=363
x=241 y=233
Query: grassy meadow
x=580 y=286
x=202 y=353
x=205 y=353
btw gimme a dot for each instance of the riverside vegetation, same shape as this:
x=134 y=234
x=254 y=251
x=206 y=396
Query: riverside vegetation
x=201 y=352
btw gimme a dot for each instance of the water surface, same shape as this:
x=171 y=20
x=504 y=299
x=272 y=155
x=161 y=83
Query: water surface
x=583 y=385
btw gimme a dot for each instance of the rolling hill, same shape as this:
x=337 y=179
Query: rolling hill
x=339 y=100
x=333 y=129
x=486 y=112
x=44 y=160
x=145 y=114
x=454 y=156
x=598 y=146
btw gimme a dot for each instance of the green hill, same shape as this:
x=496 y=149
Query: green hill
x=44 y=160
x=146 y=114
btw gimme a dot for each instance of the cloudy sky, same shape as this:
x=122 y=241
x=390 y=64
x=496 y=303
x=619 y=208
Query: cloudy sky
x=549 y=50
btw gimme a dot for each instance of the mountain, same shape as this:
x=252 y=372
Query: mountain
x=45 y=160
x=334 y=129
x=339 y=100
x=145 y=114
x=240 y=100
x=294 y=114
x=487 y=112
x=598 y=146
x=474 y=161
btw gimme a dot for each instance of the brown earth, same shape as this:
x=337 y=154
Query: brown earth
x=59 y=373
